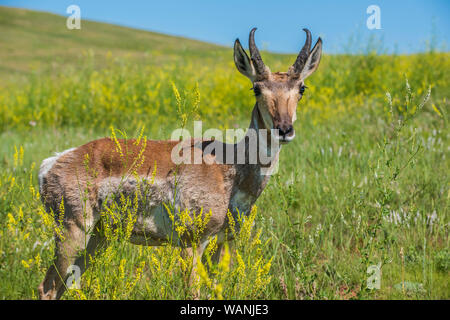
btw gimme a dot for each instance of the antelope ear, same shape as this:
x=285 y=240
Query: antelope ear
x=313 y=60
x=242 y=61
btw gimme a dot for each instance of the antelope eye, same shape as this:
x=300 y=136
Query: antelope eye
x=302 y=89
x=257 y=90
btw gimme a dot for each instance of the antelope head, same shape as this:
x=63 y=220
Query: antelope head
x=277 y=94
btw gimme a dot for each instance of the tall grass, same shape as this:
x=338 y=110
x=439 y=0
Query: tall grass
x=127 y=93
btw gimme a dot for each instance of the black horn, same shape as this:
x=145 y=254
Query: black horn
x=304 y=53
x=255 y=56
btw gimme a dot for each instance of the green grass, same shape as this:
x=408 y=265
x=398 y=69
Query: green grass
x=330 y=212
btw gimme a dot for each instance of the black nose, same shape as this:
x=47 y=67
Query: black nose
x=284 y=130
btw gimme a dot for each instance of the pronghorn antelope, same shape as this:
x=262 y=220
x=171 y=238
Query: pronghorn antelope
x=215 y=186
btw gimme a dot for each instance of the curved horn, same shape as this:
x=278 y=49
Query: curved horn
x=255 y=56
x=304 y=53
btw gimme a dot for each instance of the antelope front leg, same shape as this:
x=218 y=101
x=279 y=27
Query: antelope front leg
x=194 y=255
x=190 y=254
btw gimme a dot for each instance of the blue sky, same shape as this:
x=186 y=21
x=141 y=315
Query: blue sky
x=406 y=25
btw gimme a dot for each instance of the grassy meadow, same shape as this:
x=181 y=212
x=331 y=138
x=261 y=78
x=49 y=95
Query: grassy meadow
x=364 y=183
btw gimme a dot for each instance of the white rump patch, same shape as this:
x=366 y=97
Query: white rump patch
x=48 y=163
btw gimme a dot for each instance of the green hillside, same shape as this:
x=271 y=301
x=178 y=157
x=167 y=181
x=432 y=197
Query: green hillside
x=31 y=40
